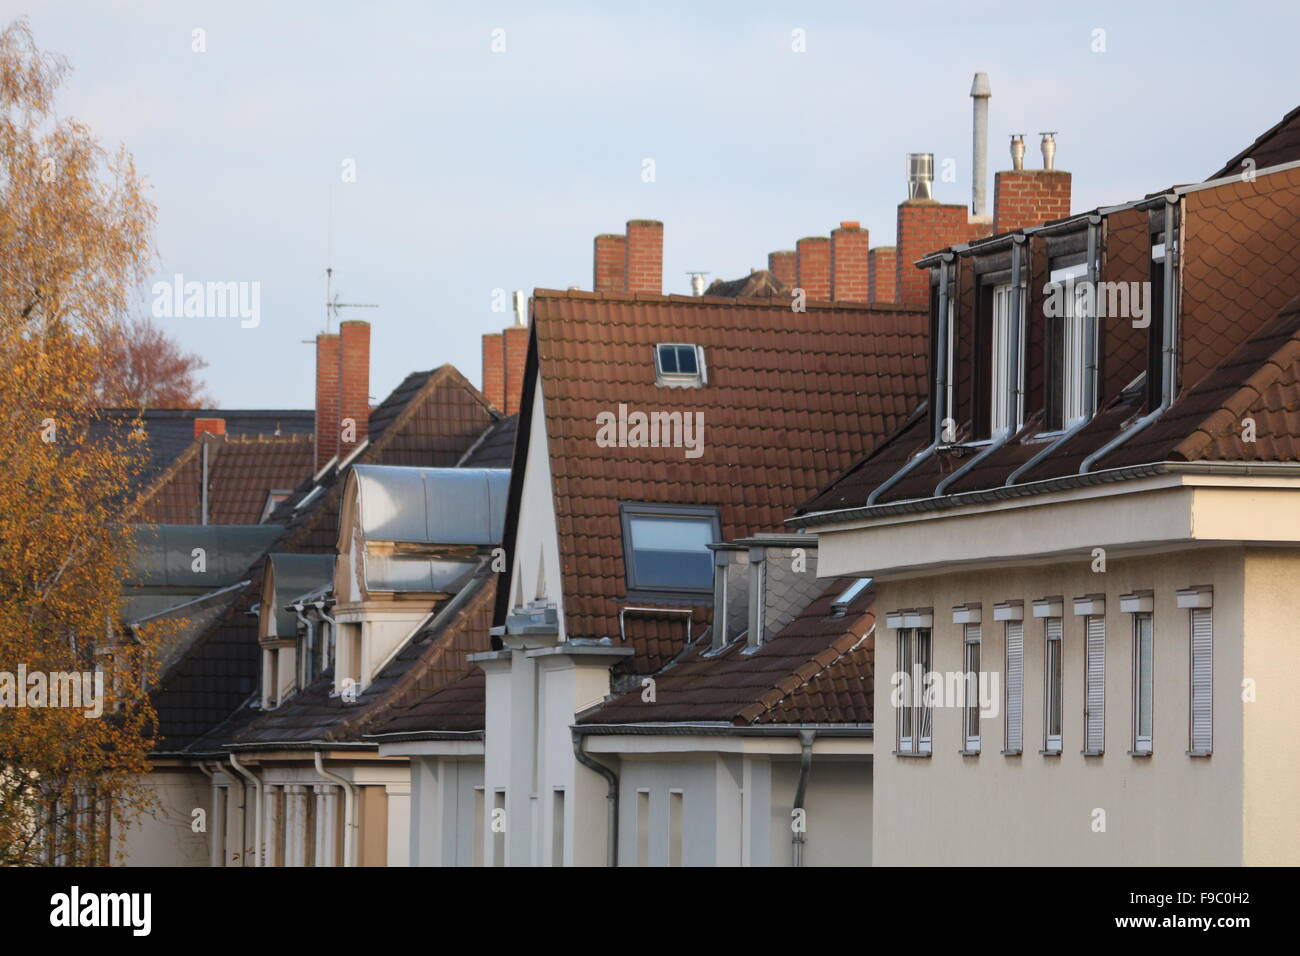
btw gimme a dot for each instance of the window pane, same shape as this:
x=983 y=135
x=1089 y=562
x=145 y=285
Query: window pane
x=672 y=551
x=667 y=359
x=686 y=363
x=1144 y=662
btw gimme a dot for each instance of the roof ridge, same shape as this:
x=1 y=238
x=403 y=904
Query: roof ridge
x=722 y=301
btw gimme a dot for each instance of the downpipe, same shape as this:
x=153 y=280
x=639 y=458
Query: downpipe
x=349 y=810
x=797 y=840
x=257 y=807
x=611 y=778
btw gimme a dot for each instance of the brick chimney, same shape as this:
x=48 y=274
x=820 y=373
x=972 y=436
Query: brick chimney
x=1030 y=197
x=814 y=253
x=515 y=341
x=209 y=426
x=494 y=369
x=785 y=266
x=610 y=263
x=645 y=256
x=354 y=386
x=849 y=251
x=327 y=398
x=926 y=226
x=881 y=275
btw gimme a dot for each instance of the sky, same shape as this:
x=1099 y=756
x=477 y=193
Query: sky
x=486 y=144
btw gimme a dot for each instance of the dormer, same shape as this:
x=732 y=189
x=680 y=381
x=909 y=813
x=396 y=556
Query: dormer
x=409 y=539
x=761 y=583
x=288 y=645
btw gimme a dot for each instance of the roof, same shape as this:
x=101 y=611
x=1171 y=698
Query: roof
x=292 y=576
x=760 y=283
x=164 y=555
x=792 y=399
x=431 y=505
x=169 y=431
x=1239 y=298
x=495 y=449
x=816 y=670
x=432 y=418
x=243 y=472
x=435 y=658
x=1276 y=145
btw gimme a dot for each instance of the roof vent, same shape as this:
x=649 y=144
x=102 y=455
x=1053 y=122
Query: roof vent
x=1017 y=151
x=920 y=175
x=1048 y=147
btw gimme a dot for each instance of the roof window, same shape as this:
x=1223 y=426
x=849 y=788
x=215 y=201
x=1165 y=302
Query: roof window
x=680 y=366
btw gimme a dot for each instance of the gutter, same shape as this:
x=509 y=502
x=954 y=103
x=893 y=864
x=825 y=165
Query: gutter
x=1015 y=380
x=1168 y=345
x=1046 y=485
x=722 y=729
x=257 y=807
x=806 y=738
x=404 y=736
x=611 y=778
x=349 y=811
x=941 y=409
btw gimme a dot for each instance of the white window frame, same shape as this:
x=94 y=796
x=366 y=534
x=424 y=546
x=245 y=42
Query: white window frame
x=1142 y=743
x=1199 y=603
x=972 y=640
x=1074 y=328
x=696 y=379
x=1053 y=684
x=914 y=648
x=1003 y=418
x=1014 y=637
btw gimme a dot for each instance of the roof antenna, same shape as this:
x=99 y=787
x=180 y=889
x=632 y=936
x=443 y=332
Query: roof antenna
x=332 y=303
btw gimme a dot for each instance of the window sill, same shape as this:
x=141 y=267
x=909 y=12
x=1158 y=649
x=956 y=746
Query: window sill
x=969 y=753
x=1139 y=753
x=1049 y=753
x=1092 y=753
x=1013 y=753
x=1199 y=753
x=909 y=753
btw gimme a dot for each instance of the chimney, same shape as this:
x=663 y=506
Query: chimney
x=209 y=426
x=785 y=266
x=521 y=308
x=515 y=343
x=494 y=369
x=980 y=93
x=814 y=255
x=645 y=256
x=610 y=264
x=327 y=398
x=920 y=175
x=354 y=386
x=850 y=247
x=1030 y=197
x=881 y=276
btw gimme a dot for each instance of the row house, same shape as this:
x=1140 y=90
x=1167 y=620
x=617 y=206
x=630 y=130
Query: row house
x=1085 y=545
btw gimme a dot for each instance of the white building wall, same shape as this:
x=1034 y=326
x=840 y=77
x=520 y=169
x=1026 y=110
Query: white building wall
x=165 y=835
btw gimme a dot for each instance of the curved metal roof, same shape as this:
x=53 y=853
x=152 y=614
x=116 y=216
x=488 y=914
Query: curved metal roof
x=293 y=575
x=432 y=505
x=165 y=554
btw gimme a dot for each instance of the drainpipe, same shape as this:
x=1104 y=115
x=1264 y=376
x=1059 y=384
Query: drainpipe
x=1013 y=380
x=203 y=492
x=940 y=391
x=349 y=811
x=806 y=738
x=1089 y=362
x=257 y=807
x=310 y=647
x=214 y=853
x=1169 y=347
x=591 y=763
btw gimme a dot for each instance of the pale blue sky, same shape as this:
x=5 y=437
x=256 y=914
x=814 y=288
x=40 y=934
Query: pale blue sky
x=479 y=170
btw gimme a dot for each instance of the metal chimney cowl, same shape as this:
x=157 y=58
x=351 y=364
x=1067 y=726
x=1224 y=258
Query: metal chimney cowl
x=1017 y=151
x=1048 y=146
x=920 y=175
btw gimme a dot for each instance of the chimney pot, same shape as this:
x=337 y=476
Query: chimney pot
x=920 y=175
x=980 y=93
x=1048 y=146
x=1017 y=151
x=521 y=307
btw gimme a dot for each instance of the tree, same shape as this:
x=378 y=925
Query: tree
x=75 y=239
x=140 y=366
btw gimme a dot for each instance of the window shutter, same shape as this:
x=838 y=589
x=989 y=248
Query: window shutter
x=1015 y=686
x=1202 y=717
x=1095 y=691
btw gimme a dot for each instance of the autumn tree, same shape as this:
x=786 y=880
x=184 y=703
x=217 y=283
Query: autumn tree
x=75 y=239
x=140 y=366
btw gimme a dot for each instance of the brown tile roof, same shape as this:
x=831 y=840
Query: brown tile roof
x=816 y=670
x=1279 y=144
x=431 y=419
x=459 y=707
x=1240 y=280
x=242 y=472
x=792 y=399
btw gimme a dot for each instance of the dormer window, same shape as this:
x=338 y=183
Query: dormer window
x=1067 y=305
x=1003 y=417
x=666 y=547
x=680 y=366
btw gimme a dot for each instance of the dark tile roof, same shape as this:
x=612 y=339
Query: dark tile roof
x=760 y=283
x=242 y=473
x=817 y=669
x=1279 y=144
x=460 y=707
x=792 y=399
x=433 y=417
x=170 y=431
x=495 y=448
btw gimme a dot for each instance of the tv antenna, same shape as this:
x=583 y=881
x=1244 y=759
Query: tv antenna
x=332 y=303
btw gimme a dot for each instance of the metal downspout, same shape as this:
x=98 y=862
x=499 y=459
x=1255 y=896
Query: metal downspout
x=257 y=807
x=349 y=811
x=1090 y=366
x=941 y=409
x=1169 y=347
x=611 y=778
x=806 y=738
x=1014 y=379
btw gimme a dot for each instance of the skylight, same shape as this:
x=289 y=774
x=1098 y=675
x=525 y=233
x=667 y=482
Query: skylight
x=680 y=365
x=841 y=603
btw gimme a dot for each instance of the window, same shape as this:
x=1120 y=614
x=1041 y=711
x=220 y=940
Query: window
x=1199 y=602
x=666 y=548
x=1014 y=709
x=840 y=606
x=1052 y=639
x=557 y=827
x=1068 y=321
x=1143 y=682
x=914 y=718
x=1003 y=416
x=972 y=701
x=1094 y=682
x=680 y=366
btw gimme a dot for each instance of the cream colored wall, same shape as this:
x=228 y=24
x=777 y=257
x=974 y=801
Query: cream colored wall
x=1271 y=723
x=536 y=545
x=838 y=802
x=164 y=836
x=1166 y=809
